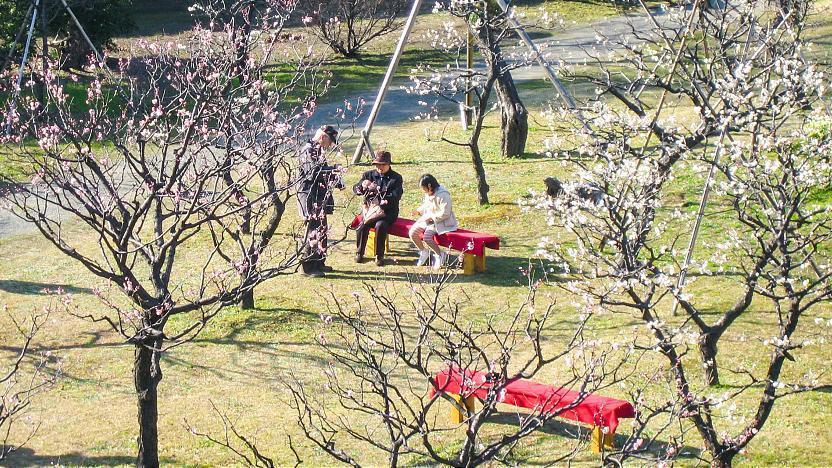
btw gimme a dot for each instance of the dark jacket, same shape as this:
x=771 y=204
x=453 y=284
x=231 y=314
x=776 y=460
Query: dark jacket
x=316 y=181
x=391 y=188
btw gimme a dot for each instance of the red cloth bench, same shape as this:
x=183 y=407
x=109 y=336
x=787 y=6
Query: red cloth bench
x=600 y=412
x=472 y=244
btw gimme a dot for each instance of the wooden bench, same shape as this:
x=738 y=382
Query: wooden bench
x=471 y=244
x=601 y=413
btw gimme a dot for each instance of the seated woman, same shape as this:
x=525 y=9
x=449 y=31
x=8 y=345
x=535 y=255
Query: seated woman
x=436 y=217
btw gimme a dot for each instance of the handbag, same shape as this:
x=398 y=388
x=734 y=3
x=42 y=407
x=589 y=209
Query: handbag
x=371 y=212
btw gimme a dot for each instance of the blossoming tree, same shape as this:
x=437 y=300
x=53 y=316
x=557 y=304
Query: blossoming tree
x=760 y=127
x=171 y=182
x=387 y=344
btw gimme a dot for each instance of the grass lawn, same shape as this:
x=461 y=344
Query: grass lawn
x=242 y=359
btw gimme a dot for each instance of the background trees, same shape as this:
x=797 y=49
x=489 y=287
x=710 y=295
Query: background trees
x=346 y=26
x=103 y=20
x=494 y=38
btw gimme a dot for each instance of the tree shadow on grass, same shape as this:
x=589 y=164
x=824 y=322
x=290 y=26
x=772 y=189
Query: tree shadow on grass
x=31 y=288
x=260 y=321
x=28 y=457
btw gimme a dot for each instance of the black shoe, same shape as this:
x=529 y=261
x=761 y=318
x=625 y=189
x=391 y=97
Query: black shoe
x=327 y=269
x=380 y=262
x=359 y=258
x=314 y=274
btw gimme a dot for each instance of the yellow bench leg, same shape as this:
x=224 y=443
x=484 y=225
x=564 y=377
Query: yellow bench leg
x=599 y=438
x=456 y=409
x=473 y=264
x=371 y=244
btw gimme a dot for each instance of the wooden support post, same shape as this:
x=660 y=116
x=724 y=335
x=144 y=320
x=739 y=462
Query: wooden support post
x=599 y=438
x=385 y=83
x=473 y=264
x=371 y=244
x=468 y=264
x=458 y=405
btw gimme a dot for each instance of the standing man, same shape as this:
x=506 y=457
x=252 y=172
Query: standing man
x=317 y=179
x=382 y=186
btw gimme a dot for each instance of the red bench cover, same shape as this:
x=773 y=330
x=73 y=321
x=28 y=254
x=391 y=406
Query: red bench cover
x=591 y=409
x=462 y=240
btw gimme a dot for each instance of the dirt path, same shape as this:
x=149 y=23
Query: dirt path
x=568 y=47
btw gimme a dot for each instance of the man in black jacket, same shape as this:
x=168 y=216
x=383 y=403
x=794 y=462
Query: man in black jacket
x=316 y=181
x=385 y=187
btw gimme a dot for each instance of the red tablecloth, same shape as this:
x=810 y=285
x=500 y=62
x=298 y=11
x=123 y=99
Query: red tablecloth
x=462 y=240
x=591 y=409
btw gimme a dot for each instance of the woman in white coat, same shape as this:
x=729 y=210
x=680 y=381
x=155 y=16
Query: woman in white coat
x=436 y=216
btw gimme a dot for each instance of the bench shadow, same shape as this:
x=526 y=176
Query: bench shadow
x=561 y=428
x=31 y=288
x=501 y=271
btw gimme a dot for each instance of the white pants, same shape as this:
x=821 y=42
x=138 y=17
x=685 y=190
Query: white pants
x=420 y=230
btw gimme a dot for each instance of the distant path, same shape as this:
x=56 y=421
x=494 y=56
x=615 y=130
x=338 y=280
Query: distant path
x=399 y=106
x=567 y=46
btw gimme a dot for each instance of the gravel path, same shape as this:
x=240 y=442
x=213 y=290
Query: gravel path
x=399 y=106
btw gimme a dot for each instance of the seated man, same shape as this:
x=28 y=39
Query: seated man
x=382 y=187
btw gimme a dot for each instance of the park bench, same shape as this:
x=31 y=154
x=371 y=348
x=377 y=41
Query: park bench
x=601 y=413
x=471 y=244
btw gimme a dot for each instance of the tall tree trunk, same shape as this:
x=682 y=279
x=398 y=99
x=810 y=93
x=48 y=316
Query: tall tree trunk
x=146 y=377
x=708 y=350
x=473 y=142
x=514 y=122
x=247 y=299
x=724 y=459
x=482 y=185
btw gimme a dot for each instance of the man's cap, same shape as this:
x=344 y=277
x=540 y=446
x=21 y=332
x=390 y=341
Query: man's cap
x=330 y=131
x=383 y=157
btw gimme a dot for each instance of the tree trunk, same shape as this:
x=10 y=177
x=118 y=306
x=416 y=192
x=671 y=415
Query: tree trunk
x=724 y=459
x=708 y=350
x=482 y=185
x=247 y=299
x=514 y=116
x=146 y=377
x=473 y=142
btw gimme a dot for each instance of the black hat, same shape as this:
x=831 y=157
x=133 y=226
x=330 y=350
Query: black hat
x=383 y=157
x=330 y=131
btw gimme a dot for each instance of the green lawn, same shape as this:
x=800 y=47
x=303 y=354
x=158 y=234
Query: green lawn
x=240 y=360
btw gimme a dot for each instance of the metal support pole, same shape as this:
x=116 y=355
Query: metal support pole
x=81 y=29
x=699 y=215
x=391 y=70
x=16 y=91
x=564 y=94
x=41 y=87
x=466 y=111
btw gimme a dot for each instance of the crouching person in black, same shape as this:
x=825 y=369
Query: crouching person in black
x=382 y=186
x=317 y=179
